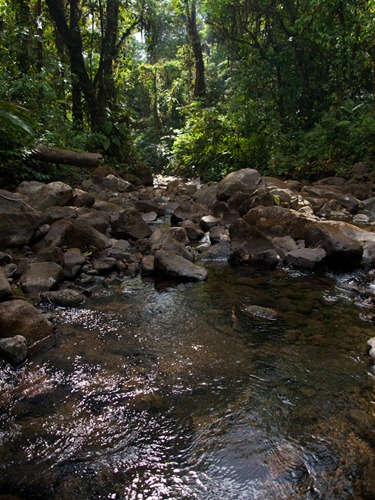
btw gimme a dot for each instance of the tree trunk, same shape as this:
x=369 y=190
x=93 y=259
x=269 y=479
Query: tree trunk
x=200 y=81
x=65 y=157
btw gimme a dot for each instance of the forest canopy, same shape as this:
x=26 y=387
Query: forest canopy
x=195 y=87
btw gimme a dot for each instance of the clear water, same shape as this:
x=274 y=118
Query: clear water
x=177 y=392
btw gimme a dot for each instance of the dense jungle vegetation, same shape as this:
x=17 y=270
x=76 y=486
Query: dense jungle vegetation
x=198 y=87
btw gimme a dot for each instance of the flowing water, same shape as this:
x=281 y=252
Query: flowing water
x=167 y=391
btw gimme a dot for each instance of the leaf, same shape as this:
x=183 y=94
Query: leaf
x=8 y=118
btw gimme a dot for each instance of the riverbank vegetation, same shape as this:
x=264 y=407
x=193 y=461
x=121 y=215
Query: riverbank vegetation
x=196 y=87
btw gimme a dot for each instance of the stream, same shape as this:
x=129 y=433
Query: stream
x=159 y=390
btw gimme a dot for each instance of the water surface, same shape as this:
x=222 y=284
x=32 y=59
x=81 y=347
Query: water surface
x=174 y=391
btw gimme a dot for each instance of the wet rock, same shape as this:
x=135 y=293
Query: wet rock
x=5 y=288
x=18 y=229
x=259 y=312
x=342 y=251
x=18 y=316
x=64 y=298
x=14 y=349
x=246 y=180
x=306 y=258
x=49 y=195
x=175 y=266
x=218 y=252
x=129 y=224
x=41 y=276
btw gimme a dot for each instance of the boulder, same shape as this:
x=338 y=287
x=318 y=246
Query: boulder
x=104 y=264
x=49 y=195
x=145 y=206
x=73 y=262
x=247 y=242
x=82 y=235
x=342 y=251
x=51 y=254
x=129 y=224
x=113 y=183
x=219 y=252
x=5 y=288
x=208 y=221
x=329 y=192
x=166 y=239
x=246 y=180
x=188 y=211
x=41 y=276
x=218 y=234
x=277 y=221
x=21 y=318
x=14 y=349
x=175 y=266
x=193 y=231
x=306 y=258
x=97 y=219
x=12 y=203
x=64 y=298
x=19 y=229
x=82 y=198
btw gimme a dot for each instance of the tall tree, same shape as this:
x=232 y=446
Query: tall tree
x=98 y=88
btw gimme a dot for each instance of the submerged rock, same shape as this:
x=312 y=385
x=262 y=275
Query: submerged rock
x=260 y=312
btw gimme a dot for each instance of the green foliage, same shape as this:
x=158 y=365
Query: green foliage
x=343 y=136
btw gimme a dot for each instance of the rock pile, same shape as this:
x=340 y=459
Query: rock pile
x=57 y=243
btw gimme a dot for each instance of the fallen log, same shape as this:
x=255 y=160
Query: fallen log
x=66 y=157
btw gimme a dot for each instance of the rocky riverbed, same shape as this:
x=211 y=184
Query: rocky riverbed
x=59 y=244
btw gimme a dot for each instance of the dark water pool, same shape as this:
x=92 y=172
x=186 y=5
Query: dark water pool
x=179 y=392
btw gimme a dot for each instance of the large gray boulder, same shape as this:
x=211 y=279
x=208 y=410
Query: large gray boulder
x=41 y=276
x=129 y=224
x=342 y=250
x=18 y=317
x=48 y=195
x=246 y=180
x=177 y=267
